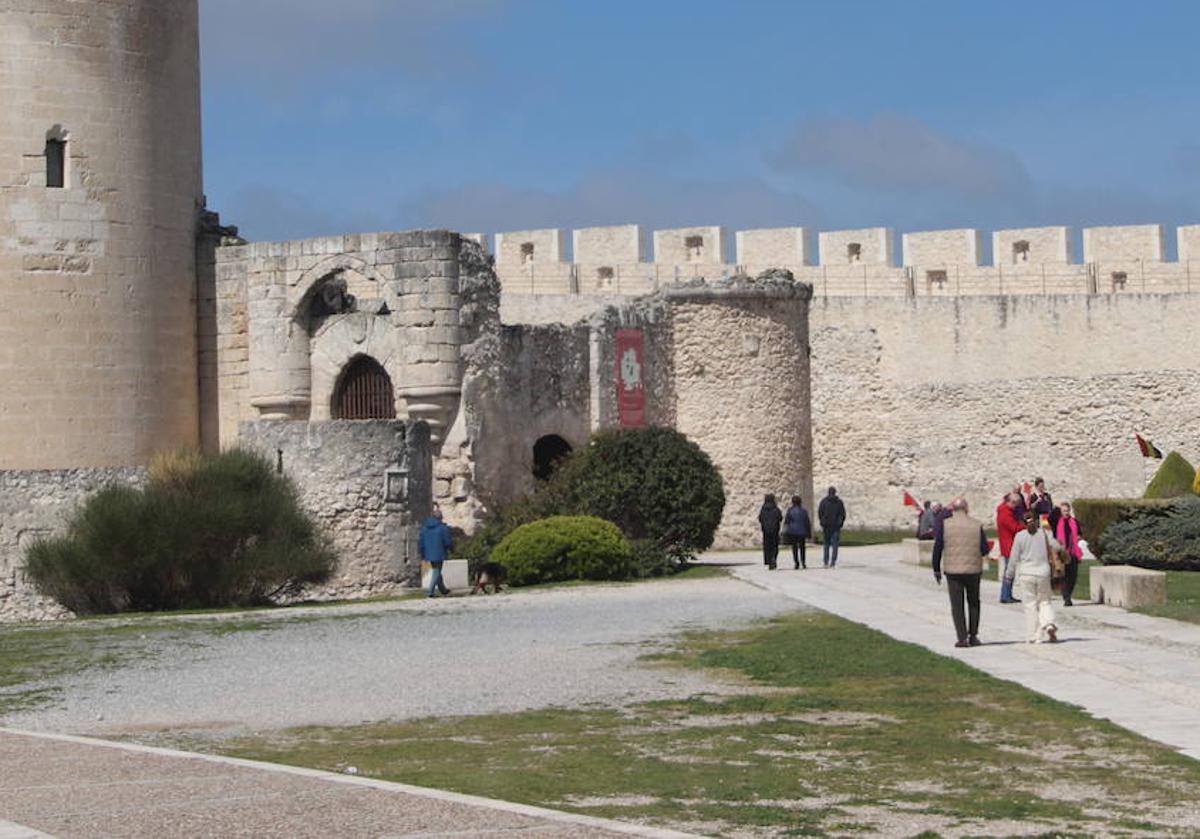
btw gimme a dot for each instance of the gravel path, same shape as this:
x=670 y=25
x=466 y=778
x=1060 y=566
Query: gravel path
x=466 y=655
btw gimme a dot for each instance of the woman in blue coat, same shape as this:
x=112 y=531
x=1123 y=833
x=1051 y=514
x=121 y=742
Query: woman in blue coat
x=797 y=528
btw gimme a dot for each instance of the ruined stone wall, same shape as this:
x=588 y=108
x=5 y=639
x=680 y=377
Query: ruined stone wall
x=33 y=504
x=524 y=383
x=368 y=483
x=97 y=344
x=741 y=380
x=274 y=361
x=970 y=395
x=726 y=364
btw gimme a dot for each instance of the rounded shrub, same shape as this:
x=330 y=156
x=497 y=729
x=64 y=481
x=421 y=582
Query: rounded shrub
x=1175 y=477
x=1165 y=536
x=208 y=532
x=653 y=483
x=564 y=548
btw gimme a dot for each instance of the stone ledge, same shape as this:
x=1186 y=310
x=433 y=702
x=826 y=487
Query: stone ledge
x=1127 y=586
x=917 y=552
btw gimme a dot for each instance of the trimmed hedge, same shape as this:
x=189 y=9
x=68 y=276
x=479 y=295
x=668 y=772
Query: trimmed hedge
x=1165 y=536
x=653 y=483
x=660 y=488
x=564 y=548
x=204 y=533
x=1097 y=514
x=1174 y=478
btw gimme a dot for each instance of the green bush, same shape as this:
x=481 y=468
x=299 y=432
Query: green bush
x=564 y=548
x=1173 y=479
x=653 y=483
x=222 y=531
x=1165 y=537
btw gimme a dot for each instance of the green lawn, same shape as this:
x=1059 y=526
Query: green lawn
x=837 y=730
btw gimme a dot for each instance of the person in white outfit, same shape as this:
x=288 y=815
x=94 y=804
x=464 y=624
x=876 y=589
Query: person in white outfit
x=1029 y=563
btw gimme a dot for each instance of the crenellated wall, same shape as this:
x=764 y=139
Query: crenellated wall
x=852 y=263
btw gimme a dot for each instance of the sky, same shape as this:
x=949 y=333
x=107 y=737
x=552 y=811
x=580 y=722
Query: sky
x=325 y=117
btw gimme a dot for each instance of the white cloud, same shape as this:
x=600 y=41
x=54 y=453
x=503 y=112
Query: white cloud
x=897 y=153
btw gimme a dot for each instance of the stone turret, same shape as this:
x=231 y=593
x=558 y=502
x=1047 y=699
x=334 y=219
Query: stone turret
x=100 y=185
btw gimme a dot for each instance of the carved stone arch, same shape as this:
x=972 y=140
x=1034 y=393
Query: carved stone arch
x=308 y=282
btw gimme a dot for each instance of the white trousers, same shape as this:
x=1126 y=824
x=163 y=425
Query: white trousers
x=1039 y=611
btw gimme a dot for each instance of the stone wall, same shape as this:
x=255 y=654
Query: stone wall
x=862 y=262
x=970 y=395
x=33 y=504
x=369 y=484
x=524 y=383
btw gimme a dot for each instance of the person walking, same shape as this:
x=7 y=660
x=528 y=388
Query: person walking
x=959 y=550
x=1030 y=564
x=797 y=527
x=1068 y=535
x=769 y=519
x=434 y=546
x=1008 y=525
x=927 y=523
x=831 y=513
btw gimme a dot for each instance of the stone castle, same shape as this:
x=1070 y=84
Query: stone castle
x=386 y=370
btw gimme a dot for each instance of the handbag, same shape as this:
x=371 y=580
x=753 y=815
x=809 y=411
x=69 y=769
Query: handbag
x=1058 y=565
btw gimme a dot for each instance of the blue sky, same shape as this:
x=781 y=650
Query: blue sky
x=325 y=117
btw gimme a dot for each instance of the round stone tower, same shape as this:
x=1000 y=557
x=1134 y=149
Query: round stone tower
x=100 y=189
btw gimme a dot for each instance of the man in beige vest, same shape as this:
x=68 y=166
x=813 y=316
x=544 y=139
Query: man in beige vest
x=960 y=546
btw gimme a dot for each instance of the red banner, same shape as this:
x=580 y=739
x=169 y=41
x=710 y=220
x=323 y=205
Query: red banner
x=631 y=378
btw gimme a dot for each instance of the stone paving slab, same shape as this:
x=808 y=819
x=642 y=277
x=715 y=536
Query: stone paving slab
x=79 y=787
x=1142 y=673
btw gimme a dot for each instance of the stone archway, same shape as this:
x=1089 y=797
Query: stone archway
x=548 y=452
x=363 y=391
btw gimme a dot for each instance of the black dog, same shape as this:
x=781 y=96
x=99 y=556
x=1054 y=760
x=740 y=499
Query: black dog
x=490 y=574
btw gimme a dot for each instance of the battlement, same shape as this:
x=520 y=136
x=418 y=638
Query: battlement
x=860 y=262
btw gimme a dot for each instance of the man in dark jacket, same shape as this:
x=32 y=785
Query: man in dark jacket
x=434 y=546
x=832 y=515
x=769 y=519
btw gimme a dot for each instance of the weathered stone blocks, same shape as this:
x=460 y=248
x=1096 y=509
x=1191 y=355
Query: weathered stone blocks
x=1128 y=587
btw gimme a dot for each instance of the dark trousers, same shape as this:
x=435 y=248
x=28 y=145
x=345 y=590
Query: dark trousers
x=964 y=587
x=770 y=548
x=831 y=539
x=798 y=553
x=1068 y=583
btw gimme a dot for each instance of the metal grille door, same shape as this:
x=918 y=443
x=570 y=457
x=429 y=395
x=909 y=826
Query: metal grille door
x=364 y=392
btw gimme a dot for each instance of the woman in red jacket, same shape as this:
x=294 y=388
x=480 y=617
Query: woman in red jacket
x=1068 y=535
x=1008 y=525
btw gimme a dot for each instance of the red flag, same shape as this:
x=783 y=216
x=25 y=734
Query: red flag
x=909 y=501
x=1148 y=448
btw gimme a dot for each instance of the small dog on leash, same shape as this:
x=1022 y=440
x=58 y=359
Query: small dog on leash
x=490 y=574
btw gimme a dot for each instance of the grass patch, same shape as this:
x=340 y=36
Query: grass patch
x=838 y=726
x=1183 y=598
x=853 y=538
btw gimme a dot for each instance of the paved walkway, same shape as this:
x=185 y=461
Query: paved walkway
x=73 y=786
x=1140 y=672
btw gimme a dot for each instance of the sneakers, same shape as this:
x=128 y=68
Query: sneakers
x=1052 y=633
